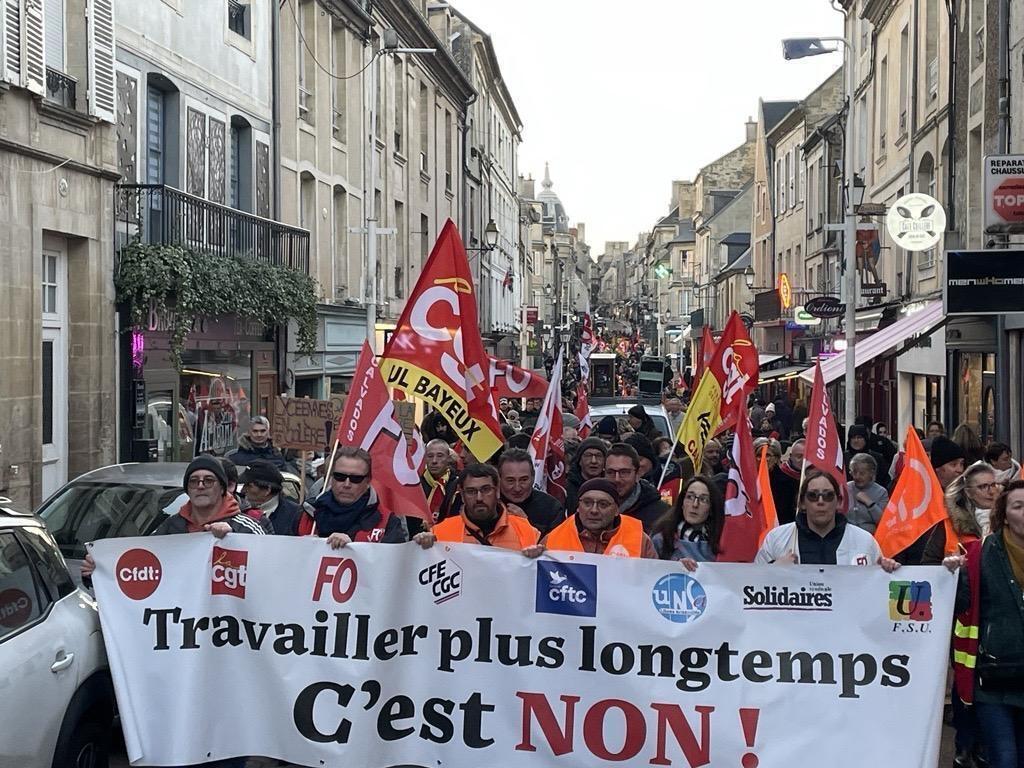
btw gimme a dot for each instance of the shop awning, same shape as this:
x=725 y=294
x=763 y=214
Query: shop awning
x=781 y=374
x=763 y=360
x=877 y=344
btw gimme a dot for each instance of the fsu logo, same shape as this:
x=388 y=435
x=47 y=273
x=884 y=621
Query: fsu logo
x=138 y=573
x=228 y=572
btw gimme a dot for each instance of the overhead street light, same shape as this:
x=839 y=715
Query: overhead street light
x=801 y=48
x=490 y=238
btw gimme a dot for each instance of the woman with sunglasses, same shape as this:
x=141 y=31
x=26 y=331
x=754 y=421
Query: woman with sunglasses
x=970 y=498
x=821 y=535
x=691 y=529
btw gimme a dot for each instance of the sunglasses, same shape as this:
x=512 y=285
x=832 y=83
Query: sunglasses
x=341 y=477
x=820 y=495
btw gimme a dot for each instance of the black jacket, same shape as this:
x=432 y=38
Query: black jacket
x=649 y=507
x=331 y=517
x=251 y=521
x=247 y=453
x=815 y=549
x=785 y=490
x=285 y=518
x=543 y=510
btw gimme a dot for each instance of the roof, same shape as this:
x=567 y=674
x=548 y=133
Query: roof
x=740 y=263
x=736 y=238
x=729 y=204
x=774 y=111
x=684 y=232
x=671 y=219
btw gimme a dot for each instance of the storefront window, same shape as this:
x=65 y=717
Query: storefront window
x=213 y=391
x=927 y=400
x=976 y=397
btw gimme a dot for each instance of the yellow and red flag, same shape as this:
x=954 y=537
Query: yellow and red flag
x=436 y=353
x=702 y=418
x=916 y=504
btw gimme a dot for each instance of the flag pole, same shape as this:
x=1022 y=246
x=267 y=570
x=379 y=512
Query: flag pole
x=327 y=475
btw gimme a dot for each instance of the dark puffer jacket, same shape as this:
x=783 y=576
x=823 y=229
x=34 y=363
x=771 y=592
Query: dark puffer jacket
x=247 y=453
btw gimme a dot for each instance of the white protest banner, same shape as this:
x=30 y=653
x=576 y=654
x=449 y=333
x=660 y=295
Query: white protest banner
x=380 y=655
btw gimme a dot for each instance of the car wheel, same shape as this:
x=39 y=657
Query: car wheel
x=88 y=746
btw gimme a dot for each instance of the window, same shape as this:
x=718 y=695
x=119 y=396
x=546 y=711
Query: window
x=305 y=41
x=341 y=277
x=883 y=103
x=241 y=165
x=791 y=177
x=339 y=91
x=931 y=54
x=401 y=250
x=780 y=179
x=43 y=553
x=238 y=17
x=424 y=107
x=50 y=285
x=448 y=150
x=904 y=78
x=801 y=183
x=424 y=236
x=399 y=99
x=24 y=603
x=54 y=34
x=307 y=204
x=155 y=108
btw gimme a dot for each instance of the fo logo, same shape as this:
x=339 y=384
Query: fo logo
x=15 y=608
x=910 y=601
x=228 y=572
x=679 y=598
x=138 y=573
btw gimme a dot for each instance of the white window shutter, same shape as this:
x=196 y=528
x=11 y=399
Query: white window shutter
x=33 y=65
x=10 y=41
x=102 y=78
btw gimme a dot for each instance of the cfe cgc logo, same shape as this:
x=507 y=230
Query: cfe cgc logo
x=444 y=579
x=138 y=573
x=228 y=572
x=569 y=589
x=910 y=606
x=679 y=598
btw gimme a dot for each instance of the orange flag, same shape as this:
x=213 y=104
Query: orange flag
x=916 y=505
x=764 y=489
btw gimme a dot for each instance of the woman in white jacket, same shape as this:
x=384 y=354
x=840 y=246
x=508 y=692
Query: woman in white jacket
x=820 y=535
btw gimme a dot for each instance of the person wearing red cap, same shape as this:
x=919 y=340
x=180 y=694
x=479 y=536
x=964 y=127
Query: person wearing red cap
x=598 y=528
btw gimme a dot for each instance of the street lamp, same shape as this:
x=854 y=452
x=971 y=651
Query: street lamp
x=490 y=238
x=800 y=48
x=748 y=277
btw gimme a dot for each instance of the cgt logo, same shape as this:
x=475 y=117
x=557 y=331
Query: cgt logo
x=910 y=601
x=444 y=579
x=15 y=608
x=228 y=572
x=138 y=573
x=569 y=589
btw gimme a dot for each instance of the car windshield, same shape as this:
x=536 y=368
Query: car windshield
x=83 y=512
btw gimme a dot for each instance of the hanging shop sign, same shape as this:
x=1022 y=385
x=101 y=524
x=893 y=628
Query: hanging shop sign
x=916 y=222
x=984 y=282
x=785 y=291
x=871 y=290
x=825 y=307
x=802 y=317
x=1004 y=193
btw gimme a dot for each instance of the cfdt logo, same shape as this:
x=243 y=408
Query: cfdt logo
x=910 y=606
x=679 y=598
x=15 y=608
x=567 y=588
x=138 y=573
x=444 y=580
x=230 y=567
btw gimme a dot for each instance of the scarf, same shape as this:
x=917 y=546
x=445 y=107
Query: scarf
x=628 y=502
x=334 y=517
x=688 y=532
x=1015 y=554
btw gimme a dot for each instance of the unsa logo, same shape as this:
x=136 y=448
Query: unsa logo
x=679 y=598
x=138 y=573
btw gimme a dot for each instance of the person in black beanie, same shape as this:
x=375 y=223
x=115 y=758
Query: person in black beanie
x=262 y=483
x=642 y=423
x=857 y=442
x=608 y=429
x=587 y=463
x=650 y=464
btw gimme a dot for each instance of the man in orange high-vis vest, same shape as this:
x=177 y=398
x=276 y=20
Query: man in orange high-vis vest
x=598 y=528
x=483 y=519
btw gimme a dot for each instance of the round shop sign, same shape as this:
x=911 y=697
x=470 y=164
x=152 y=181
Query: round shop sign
x=916 y=222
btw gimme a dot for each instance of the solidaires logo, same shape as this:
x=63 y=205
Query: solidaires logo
x=910 y=601
x=679 y=598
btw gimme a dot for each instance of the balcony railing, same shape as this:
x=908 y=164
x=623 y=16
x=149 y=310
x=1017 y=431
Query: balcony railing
x=61 y=88
x=156 y=213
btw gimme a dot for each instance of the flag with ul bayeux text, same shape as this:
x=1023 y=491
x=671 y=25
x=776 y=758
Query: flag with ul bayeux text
x=436 y=353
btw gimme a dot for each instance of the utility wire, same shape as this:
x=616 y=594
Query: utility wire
x=298 y=27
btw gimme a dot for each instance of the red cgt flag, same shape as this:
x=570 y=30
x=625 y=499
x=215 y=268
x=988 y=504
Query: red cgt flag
x=547 y=446
x=436 y=353
x=707 y=350
x=735 y=365
x=369 y=422
x=508 y=380
x=744 y=514
x=583 y=412
x=824 y=451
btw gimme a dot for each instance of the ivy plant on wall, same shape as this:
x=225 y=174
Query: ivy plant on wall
x=184 y=284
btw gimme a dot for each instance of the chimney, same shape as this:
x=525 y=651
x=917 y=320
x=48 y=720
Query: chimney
x=682 y=194
x=751 y=129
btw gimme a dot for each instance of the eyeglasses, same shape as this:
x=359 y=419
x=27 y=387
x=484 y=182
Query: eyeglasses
x=985 y=487
x=592 y=455
x=484 y=491
x=341 y=477
x=613 y=473
x=201 y=482
x=602 y=505
x=820 y=495
x=694 y=498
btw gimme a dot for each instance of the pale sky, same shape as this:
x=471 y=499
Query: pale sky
x=623 y=97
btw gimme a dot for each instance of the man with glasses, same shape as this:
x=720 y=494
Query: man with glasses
x=350 y=511
x=637 y=497
x=598 y=527
x=261 y=486
x=483 y=519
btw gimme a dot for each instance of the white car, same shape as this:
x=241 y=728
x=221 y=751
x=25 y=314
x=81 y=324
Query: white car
x=56 y=696
x=618 y=410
